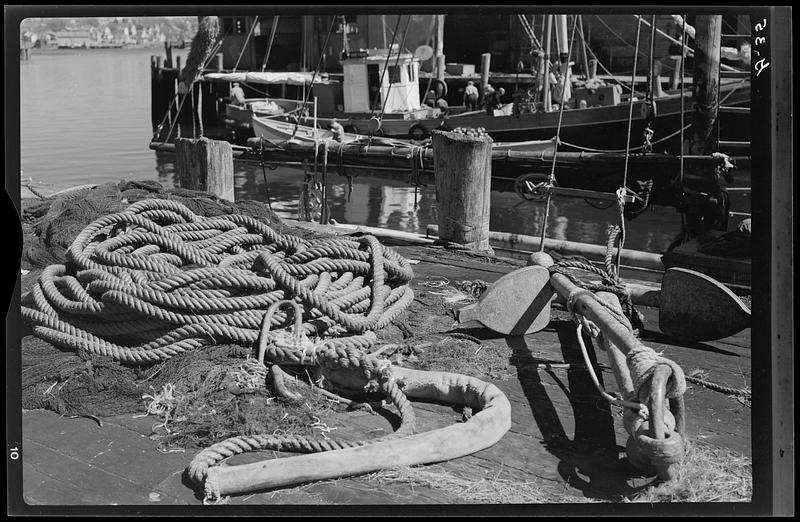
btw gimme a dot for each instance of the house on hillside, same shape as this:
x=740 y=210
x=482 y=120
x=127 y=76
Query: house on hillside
x=73 y=38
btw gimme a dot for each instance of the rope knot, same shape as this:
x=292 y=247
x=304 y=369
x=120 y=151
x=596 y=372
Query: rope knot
x=643 y=362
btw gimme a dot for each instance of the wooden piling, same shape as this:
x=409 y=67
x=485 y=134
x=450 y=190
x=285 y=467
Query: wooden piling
x=204 y=164
x=463 y=171
x=219 y=62
x=178 y=63
x=168 y=52
x=708 y=32
x=486 y=62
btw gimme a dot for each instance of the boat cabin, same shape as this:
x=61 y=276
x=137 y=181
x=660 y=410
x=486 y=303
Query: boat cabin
x=367 y=87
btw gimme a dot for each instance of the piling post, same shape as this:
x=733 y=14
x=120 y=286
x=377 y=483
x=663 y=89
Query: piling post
x=219 y=62
x=204 y=164
x=168 y=52
x=708 y=33
x=486 y=62
x=463 y=172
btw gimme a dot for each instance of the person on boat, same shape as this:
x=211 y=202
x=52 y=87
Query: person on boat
x=237 y=94
x=430 y=99
x=338 y=130
x=493 y=100
x=471 y=96
x=442 y=105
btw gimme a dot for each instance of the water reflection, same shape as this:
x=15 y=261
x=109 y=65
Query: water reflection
x=385 y=199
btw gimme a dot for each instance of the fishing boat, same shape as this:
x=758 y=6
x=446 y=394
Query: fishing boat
x=379 y=94
x=279 y=133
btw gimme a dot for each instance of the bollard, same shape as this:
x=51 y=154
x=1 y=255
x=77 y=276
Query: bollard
x=463 y=171
x=204 y=164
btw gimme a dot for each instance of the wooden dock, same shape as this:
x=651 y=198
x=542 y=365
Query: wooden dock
x=565 y=440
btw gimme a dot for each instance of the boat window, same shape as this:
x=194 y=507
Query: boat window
x=394 y=74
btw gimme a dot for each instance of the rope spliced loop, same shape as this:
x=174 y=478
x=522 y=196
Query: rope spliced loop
x=647 y=380
x=157 y=280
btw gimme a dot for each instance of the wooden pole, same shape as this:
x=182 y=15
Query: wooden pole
x=548 y=36
x=708 y=32
x=486 y=63
x=178 y=63
x=676 y=75
x=583 y=56
x=463 y=171
x=655 y=86
x=207 y=165
x=168 y=52
x=440 y=47
x=219 y=62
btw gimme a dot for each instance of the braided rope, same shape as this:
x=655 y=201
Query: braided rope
x=155 y=280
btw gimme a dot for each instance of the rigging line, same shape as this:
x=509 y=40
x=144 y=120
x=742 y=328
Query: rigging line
x=683 y=116
x=552 y=176
x=386 y=65
x=190 y=89
x=688 y=49
x=630 y=107
x=273 y=30
x=528 y=30
x=396 y=62
x=620 y=38
x=652 y=67
x=316 y=70
x=600 y=64
x=247 y=41
x=430 y=42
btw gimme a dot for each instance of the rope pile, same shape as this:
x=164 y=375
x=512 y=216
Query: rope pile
x=156 y=280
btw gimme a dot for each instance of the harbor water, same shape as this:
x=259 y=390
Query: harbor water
x=85 y=118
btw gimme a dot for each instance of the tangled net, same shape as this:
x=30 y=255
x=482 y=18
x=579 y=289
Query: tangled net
x=156 y=280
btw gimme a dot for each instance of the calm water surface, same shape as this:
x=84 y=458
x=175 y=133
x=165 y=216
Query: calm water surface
x=85 y=118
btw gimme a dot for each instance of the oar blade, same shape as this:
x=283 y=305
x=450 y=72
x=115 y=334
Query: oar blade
x=697 y=307
x=516 y=304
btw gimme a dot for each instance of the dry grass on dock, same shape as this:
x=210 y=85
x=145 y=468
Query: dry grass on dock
x=491 y=490
x=707 y=474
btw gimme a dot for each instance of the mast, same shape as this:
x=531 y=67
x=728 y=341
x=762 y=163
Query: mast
x=563 y=54
x=548 y=29
x=440 y=47
x=708 y=30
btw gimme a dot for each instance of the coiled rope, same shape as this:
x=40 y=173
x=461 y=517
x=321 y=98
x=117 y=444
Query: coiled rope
x=156 y=280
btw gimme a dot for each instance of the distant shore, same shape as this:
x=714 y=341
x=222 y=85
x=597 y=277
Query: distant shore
x=57 y=50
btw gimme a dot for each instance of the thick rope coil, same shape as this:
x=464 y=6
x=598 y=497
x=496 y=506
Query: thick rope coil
x=156 y=280
x=335 y=354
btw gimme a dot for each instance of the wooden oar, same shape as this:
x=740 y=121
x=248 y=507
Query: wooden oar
x=692 y=306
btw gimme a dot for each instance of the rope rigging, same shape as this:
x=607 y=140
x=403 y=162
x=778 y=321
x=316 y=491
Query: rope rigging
x=396 y=62
x=552 y=177
x=316 y=70
x=247 y=41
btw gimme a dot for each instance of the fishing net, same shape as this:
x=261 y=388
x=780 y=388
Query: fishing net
x=189 y=395
x=50 y=225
